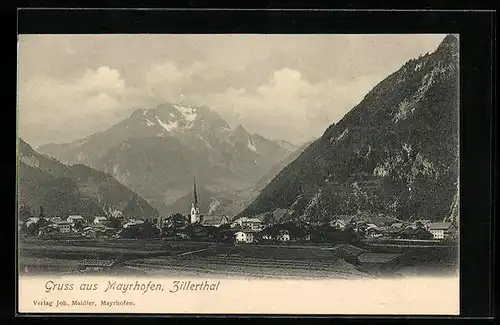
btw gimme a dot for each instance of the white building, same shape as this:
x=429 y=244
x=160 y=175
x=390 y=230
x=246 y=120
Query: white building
x=64 y=227
x=75 y=218
x=253 y=224
x=442 y=230
x=338 y=224
x=55 y=219
x=243 y=237
x=284 y=236
x=100 y=220
x=133 y=222
x=31 y=220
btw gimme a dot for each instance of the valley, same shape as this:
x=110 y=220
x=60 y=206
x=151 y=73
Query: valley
x=173 y=189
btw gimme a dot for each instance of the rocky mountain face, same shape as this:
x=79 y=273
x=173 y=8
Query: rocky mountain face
x=156 y=152
x=78 y=189
x=268 y=177
x=395 y=153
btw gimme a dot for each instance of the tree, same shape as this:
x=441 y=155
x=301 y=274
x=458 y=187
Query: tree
x=423 y=234
x=295 y=231
x=115 y=222
x=145 y=230
x=42 y=213
x=79 y=225
x=268 y=218
x=213 y=233
x=327 y=234
x=177 y=220
x=33 y=228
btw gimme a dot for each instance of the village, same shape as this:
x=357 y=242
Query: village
x=241 y=230
x=196 y=241
x=199 y=227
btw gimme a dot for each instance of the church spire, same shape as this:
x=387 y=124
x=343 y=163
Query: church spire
x=195 y=194
x=195 y=210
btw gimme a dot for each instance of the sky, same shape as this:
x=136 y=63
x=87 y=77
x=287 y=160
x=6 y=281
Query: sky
x=284 y=87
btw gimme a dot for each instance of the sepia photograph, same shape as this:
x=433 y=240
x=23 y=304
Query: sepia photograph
x=208 y=159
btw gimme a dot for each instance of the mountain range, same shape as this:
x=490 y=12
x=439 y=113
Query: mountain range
x=157 y=152
x=44 y=182
x=395 y=153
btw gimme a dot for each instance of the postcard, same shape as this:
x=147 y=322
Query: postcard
x=238 y=174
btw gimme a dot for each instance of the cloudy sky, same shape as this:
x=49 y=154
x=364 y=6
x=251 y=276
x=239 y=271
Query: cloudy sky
x=280 y=86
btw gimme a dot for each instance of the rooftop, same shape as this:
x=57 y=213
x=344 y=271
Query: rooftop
x=212 y=220
x=439 y=225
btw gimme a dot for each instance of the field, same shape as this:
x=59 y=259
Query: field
x=65 y=256
x=186 y=258
x=252 y=261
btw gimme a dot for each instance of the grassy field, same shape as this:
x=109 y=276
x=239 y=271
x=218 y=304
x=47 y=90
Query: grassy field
x=186 y=258
x=64 y=256
x=252 y=261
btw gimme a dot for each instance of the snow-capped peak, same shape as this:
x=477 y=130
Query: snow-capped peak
x=251 y=145
x=169 y=126
x=188 y=112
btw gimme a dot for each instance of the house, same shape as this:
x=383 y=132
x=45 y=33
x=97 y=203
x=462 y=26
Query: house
x=55 y=219
x=284 y=236
x=243 y=237
x=253 y=224
x=371 y=226
x=97 y=230
x=214 y=221
x=160 y=222
x=32 y=220
x=397 y=225
x=75 y=218
x=340 y=221
x=338 y=224
x=48 y=230
x=443 y=230
x=374 y=232
x=133 y=222
x=267 y=237
x=422 y=223
x=63 y=227
x=100 y=220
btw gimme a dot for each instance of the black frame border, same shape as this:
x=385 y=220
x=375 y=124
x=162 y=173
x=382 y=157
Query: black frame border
x=477 y=30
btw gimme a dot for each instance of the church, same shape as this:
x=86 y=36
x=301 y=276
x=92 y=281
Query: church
x=195 y=209
x=197 y=217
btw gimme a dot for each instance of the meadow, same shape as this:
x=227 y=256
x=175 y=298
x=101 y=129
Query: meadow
x=189 y=258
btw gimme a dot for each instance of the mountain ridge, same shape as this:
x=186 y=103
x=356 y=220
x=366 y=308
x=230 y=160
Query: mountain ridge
x=396 y=152
x=157 y=151
x=77 y=189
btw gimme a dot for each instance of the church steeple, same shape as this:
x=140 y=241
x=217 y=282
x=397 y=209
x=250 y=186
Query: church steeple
x=195 y=210
x=195 y=194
